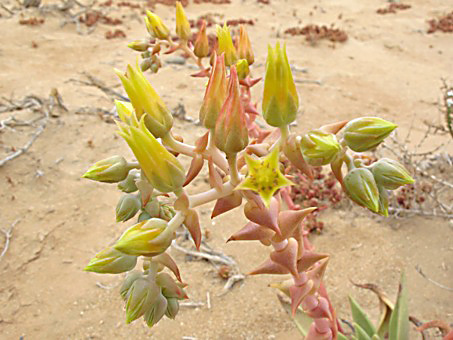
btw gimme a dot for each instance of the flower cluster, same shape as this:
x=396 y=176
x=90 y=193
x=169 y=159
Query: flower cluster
x=246 y=170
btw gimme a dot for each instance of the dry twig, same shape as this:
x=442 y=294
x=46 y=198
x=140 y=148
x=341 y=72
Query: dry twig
x=419 y=270
x=8 y=234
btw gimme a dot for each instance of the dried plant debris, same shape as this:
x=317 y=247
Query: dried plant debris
x=115 y=34
x=443 y=24
x=393 y=8
x=314 y=33
x=32 y=21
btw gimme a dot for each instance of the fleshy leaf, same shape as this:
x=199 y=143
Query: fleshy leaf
x=399 y=321
x=361 y=318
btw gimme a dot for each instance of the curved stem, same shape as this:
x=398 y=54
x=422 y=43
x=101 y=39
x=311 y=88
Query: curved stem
x=189 y=150
x=210 y=195
x=234 y=175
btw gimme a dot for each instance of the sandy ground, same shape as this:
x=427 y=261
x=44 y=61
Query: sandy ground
x=389 y=67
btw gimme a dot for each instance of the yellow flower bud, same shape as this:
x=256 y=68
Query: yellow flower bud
x=161 y=168
x=226 y=45
x=143 y=238
x=242 y=67
x=319 y=148
x=155 y=26
x=111 y=261
x=201 y=45
x=215 y=94
x=362 y=188
x=110 y=170
x=244 y=47
x=182 y=24
x=390 y=174
x=280 y=100
x=366 y=133
x=145 y=100
x=139 y=45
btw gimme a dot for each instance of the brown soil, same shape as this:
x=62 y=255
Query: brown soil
x=389 y=67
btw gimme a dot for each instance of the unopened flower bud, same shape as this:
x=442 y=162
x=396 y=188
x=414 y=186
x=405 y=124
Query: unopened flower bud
x=156 y=311
x=365 y=133
x=231 y=133
x=170 y=289
x=319 y=148
x=172 y=308
x=153 y=207
x=201 y=45
x=244 y=47
x=182 y=24
x=141 y=297
x=111 y=261
x=124 y=110
x=242 y=67
x=155 y=26
x=145 y=64
x=166 y=212
x=139 y=45
x=390 y=174
x=128 y=205
x=215 y=94
x=110 y=170
x=161 y=168
x=280 y=99
x=128 y=184
x=383 y=202
x=145 y=238
x=145 y=100
x=362 y=188
x=127 y=283
x=226 y=45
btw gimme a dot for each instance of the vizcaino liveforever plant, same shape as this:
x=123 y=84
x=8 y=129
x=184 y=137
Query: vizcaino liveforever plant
x=246 y=171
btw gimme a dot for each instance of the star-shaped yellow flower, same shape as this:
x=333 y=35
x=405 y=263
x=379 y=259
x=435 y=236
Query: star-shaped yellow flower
x=264 y=176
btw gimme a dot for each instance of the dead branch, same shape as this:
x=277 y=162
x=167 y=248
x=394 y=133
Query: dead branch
x=29 y=102
x=8 y=234
x=95 y=82
x=419 y=270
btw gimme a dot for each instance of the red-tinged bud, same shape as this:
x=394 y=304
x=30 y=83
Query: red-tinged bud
x=231 y=133
x=280 y=99
x=169 y=287
x=227 y=203
x=192 y=223
x=201 y=45
x=287 y=257
x=252 y=232
x=244 y=47
x=225 y=44
x=291 y=149
x=215 y=95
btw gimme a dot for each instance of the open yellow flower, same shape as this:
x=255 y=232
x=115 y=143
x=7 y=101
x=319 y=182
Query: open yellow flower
x=264 y=176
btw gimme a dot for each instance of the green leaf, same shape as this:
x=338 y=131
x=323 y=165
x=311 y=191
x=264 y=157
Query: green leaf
x=301 y=319
x=399 y=320
x=361 y=318
x=360 y=333
x=341 y=336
